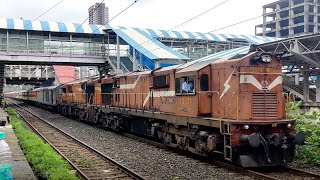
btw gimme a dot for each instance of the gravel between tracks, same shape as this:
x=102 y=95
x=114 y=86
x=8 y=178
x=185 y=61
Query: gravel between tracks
x=143 y=158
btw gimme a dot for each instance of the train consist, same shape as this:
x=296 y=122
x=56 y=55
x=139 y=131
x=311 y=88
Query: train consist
x=232 y=108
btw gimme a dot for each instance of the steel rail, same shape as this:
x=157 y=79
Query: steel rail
x=301 y=172
x=122 y=168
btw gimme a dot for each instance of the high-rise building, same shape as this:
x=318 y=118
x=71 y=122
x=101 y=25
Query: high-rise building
x=287 y=18
x=98 y=14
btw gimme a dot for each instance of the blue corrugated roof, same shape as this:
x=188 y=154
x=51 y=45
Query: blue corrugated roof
x=144 y=40
x=95 y=29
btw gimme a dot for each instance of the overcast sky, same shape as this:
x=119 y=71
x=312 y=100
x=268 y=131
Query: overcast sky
x=154 y=14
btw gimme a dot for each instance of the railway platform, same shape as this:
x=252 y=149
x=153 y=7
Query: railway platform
x=20 y=167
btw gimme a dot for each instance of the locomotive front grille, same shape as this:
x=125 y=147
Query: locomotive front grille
x=264 y=106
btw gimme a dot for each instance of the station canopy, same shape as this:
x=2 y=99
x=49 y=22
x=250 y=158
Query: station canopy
x=146 y=41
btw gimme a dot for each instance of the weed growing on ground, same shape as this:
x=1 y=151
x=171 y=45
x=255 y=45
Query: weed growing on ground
x=85 y=162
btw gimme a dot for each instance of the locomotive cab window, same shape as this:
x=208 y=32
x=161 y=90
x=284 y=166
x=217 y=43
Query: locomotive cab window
x=185 y=85
x=204 y=82
x=116 y=83
x=160 y=81
x=69 y=88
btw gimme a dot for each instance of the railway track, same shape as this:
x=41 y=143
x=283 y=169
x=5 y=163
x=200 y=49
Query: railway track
x=272 y=173
x=281 y=172
x=88 y=162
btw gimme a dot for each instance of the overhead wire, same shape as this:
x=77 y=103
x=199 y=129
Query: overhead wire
x=240 y=22
x=189 y=20
x=55 y=5
x=48 y=10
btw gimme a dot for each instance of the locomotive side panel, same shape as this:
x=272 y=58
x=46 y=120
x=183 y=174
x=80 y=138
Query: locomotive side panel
x=137 y=85
x=97 y=93
x=163 y=95
x=143 y=96
x=225 y=97
x=204 y=91
x=215 y=86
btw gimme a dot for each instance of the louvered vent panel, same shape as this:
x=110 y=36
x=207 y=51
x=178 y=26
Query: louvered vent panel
x=264 y=106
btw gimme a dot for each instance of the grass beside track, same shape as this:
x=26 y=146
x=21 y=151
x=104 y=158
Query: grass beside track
x=44 y=160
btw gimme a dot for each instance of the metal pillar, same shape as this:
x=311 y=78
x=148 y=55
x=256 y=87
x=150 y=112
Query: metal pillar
x=70 y=44
x=315 y=17
x=140 y=60
x=108 y=41
x=118 y=53
x=306 y=85
x=156 y=64
x=264 y=22
x=134 y=60
x=306 y=18
x=291 y=19
x=278 y=34
x=27 y=34
x=318 y=89
x=7 y=41
x=49 y=44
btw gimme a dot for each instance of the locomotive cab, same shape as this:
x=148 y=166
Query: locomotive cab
x=193 y=90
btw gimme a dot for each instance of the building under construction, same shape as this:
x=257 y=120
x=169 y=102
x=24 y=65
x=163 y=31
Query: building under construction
x=287 y=18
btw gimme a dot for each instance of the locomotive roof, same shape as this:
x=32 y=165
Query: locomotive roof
x=41 y=88
x=219 y=55
x=131 y=74
x=195 y=67
x=169 y=68
x=81 y=80
x=13 y=92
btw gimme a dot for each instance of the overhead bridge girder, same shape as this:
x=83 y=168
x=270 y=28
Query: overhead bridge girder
x=30 y=74
x=300 y=50
x=46 y=59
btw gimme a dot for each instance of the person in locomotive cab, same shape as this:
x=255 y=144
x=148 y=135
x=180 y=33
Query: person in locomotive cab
x=191 y=88
x=185 y=86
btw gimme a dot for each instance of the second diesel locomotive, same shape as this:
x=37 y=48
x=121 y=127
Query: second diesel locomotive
x=231 y=107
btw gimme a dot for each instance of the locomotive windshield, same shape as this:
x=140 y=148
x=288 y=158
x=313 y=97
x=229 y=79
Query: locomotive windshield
x=185 y=85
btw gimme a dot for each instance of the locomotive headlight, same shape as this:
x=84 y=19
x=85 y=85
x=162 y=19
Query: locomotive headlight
x=246 y=126
x=289 y=125
x=266 y=58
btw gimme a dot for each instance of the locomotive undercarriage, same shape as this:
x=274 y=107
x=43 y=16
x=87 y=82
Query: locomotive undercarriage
x=258 y=151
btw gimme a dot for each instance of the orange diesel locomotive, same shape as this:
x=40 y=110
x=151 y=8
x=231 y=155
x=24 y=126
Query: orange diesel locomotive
x=233 y=108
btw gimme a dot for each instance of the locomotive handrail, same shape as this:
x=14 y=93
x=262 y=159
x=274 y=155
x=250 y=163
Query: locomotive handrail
x=260 y=73
x=287 y=104
x=90 y=97
x=290 y=95
x=293 y=97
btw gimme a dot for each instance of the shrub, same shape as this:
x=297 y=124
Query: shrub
x=46 y=163
x=309 y=153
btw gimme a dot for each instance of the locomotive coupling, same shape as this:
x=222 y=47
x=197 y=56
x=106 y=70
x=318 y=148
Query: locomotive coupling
x=253 y=139
x=298 y=137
